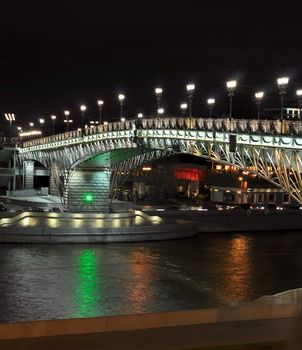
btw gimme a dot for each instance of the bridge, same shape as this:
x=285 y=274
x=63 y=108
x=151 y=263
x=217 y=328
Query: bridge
x=86 y=165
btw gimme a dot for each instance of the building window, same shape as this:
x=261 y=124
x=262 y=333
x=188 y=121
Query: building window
x=272 y=198
x=286 y=199
x=260 y=198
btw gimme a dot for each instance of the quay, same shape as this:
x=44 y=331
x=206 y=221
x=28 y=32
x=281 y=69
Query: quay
x=35 y=227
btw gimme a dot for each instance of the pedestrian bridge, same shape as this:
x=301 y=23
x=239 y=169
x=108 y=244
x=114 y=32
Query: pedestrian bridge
x=85 y=165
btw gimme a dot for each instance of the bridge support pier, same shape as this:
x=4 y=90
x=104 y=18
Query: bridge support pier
x=53 y=186
x=88 y=189
x=28 y=169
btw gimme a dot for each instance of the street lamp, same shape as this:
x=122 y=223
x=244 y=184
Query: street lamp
x=31 y=124
x=123 y=120
x=67 y=122
x=160 y=111
x=183 y=107
x=53 y=118
x=240 y=178
x=41 y=121
x=211 y=102
x=282 y=84
x=299 y=95
x=231 y=86
x=121 y=98
x=66 y=113
x=10 y=117
x=83 y=109
x=190 y=90
x=158 y=93
x=259 y=96
x=100 y=104
x=140 y=115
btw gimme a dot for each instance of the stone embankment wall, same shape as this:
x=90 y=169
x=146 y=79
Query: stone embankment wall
x=245 y=312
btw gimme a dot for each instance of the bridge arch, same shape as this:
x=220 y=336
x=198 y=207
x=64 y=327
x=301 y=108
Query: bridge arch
x=275 y=156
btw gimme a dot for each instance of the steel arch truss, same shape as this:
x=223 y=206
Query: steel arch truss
x=276 y=159
x=281 y=167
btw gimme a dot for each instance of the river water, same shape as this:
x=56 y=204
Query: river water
x=68 y=281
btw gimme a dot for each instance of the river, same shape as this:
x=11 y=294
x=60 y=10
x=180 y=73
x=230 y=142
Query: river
x=70 y=281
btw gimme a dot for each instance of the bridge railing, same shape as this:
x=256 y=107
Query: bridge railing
x=264 y=126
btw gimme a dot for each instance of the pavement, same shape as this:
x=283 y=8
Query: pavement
x=185 y=337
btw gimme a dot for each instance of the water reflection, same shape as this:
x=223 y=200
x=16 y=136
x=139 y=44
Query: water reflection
x=88 y=285
x=142 y=273
x=65 y=281
x=236 y=270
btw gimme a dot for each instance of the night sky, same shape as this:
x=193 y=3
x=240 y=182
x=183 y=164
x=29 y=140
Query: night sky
x=58 y=57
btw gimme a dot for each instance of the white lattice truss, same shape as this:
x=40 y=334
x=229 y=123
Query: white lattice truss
x=274 y=157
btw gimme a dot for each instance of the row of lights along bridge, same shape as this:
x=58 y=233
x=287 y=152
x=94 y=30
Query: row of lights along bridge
x=185 y=107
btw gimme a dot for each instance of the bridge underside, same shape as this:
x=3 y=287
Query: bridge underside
x=91 y=185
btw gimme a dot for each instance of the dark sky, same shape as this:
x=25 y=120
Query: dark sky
x=55 y=57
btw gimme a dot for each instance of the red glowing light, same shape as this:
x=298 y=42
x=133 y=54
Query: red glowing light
x=189 y=174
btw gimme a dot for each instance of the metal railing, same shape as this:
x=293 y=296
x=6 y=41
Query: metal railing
x=254 y=126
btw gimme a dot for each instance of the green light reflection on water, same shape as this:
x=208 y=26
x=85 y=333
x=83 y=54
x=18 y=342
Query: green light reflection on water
x=88 y=287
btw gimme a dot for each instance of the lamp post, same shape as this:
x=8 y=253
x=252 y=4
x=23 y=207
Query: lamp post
x=41 y=121
x=121 y=98
x=53 y=118
x=211 y=102
x=66 y=113
x=100 y=104
x=240 y=178
x=67 y=122
x=10 y=117
x=83 y=109
x=259 y=96
x=158 y=93
x=190 y=90
x=299 y=95
x=160 y=112
x=231 y=86
x=183 y=107
x=282 y=84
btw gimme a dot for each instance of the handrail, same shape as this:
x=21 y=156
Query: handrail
x=263 y=126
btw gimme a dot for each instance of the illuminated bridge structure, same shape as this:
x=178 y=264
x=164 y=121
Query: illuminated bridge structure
x=86 y=166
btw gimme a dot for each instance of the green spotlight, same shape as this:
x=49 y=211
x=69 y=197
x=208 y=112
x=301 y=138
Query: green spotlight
x=88 y=198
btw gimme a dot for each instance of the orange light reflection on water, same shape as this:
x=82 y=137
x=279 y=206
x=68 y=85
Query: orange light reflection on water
x=142 y=273
x=237 y=270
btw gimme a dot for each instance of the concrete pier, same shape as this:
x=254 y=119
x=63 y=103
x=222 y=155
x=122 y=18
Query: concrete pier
x=35 y=227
